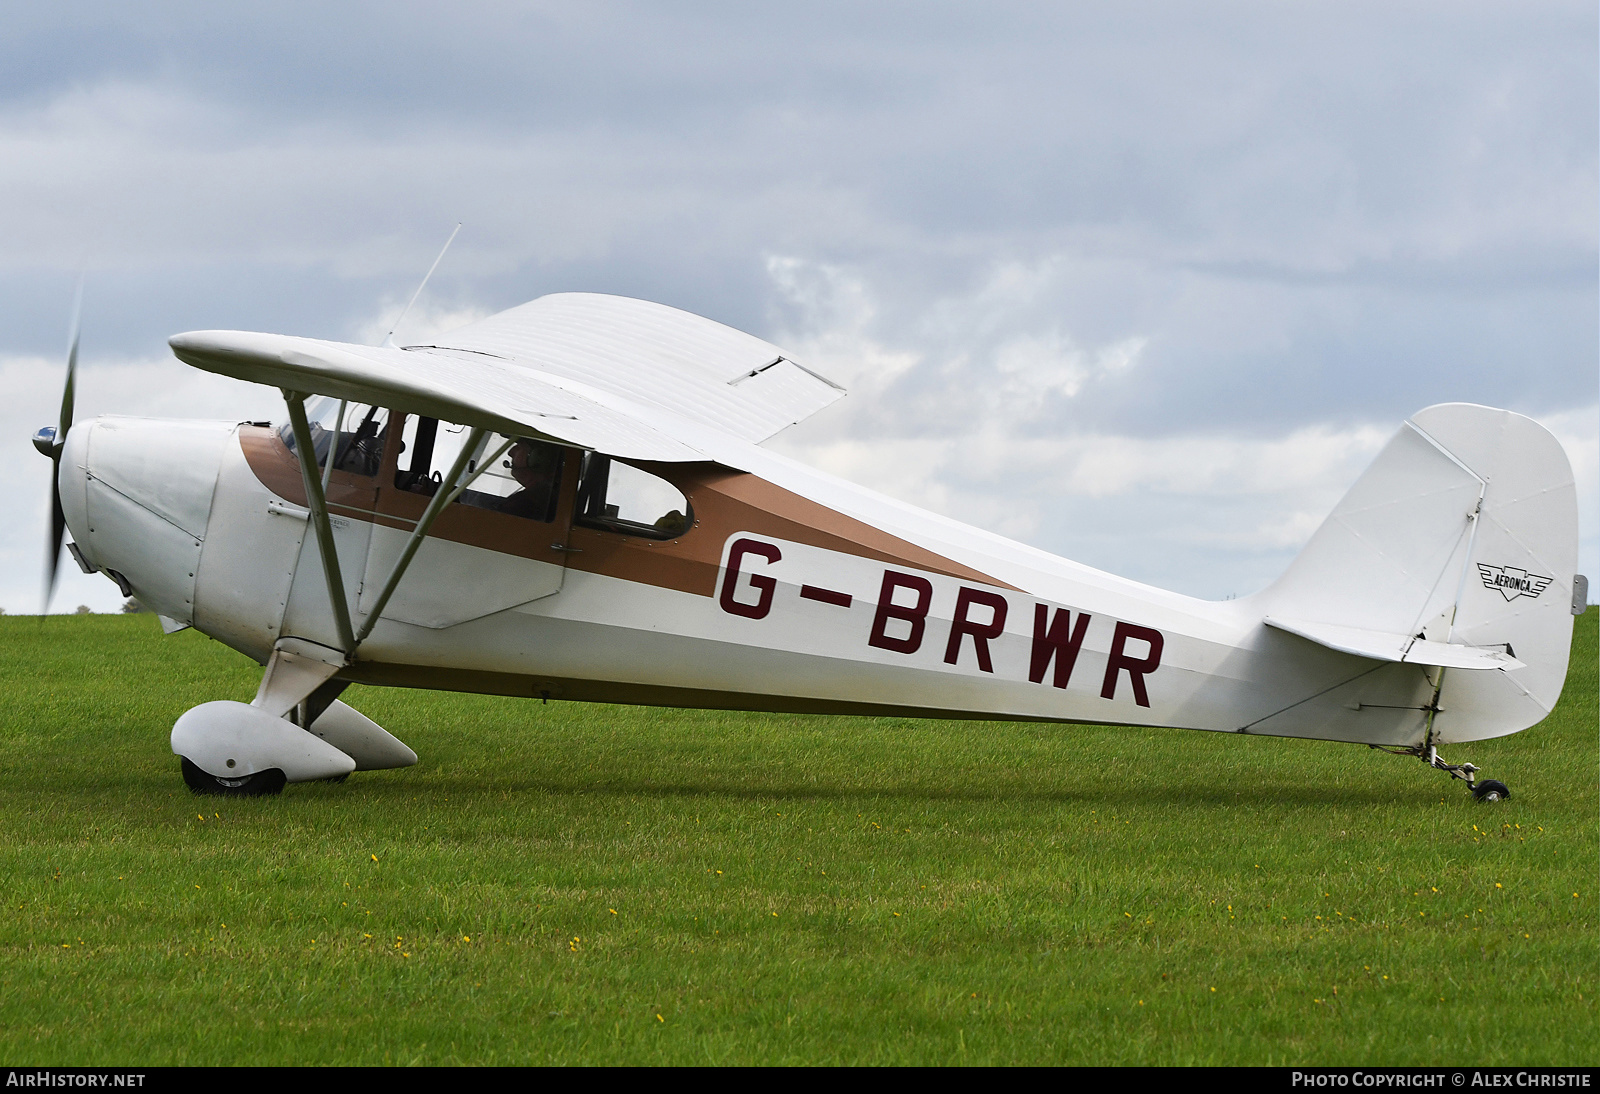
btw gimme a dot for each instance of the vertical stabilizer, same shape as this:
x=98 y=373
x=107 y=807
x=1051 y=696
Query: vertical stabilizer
x=1463 y=531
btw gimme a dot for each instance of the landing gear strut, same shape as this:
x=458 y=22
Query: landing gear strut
x=1489 y=790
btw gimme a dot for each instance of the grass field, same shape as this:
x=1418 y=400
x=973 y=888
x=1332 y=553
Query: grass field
x=566 y=883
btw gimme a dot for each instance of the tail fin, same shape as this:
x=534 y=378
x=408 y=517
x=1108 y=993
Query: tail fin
x=1457 y=547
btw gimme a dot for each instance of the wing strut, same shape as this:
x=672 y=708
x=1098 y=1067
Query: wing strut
x=319 y=516
x=448 y=492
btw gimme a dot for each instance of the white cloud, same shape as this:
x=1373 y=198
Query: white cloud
x=1095 y=277
x=827 y=326
x=988 y=453
x=424 y=321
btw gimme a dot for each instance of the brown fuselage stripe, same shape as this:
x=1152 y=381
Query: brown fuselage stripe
x=724 y=501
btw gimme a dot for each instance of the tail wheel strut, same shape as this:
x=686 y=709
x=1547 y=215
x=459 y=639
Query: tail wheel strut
x=1486 y=790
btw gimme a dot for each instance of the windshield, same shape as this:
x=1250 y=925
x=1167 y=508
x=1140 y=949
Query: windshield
x=358 y=427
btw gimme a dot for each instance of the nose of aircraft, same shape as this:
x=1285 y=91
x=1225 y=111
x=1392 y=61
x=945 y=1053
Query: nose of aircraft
x=136 y=494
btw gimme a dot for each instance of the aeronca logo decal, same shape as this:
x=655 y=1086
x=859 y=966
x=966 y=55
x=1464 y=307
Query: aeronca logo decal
x=1511 y=582
x=903 y=613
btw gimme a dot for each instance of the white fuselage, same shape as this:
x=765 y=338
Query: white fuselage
x=177 y=509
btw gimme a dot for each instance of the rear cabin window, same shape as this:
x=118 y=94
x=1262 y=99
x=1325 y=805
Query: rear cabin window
x=621 y=498
x=524 y=481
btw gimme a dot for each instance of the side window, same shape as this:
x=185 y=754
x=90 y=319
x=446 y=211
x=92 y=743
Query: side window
x=525 y=482
x=355 y=432
x=621 y=498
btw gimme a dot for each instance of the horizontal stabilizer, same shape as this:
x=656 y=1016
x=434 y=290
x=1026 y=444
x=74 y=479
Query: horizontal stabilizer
x=1409 y=649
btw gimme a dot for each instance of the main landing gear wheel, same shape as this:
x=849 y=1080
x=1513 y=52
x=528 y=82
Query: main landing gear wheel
x=1490 y=790
x=270 y=781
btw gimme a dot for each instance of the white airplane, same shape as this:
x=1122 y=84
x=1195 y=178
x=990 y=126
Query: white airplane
x=569 y=500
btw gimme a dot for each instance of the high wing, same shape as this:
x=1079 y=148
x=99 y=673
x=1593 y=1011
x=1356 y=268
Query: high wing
x=625 y=377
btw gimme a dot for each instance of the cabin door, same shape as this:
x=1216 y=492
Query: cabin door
x=501 y=544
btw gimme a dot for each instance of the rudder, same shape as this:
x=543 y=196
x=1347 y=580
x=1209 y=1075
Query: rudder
x=1463 y=531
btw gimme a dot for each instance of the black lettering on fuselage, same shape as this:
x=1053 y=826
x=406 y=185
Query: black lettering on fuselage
x=915 y=615
x=1054 y=641
x=1138 y=668
x=981 y=632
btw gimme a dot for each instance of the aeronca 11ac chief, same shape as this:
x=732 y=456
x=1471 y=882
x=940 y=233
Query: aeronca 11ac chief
x=570 y=500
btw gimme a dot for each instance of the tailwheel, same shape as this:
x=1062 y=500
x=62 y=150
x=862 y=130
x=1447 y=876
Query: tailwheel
x=1490 y=790
x=1483 y=790
x=200 y=781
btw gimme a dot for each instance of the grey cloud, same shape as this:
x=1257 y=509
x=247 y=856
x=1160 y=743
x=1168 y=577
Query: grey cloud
x=1303 y=214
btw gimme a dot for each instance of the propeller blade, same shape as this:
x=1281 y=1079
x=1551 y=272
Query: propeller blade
x=68 y=394
x=58 y=535
x=58 y=518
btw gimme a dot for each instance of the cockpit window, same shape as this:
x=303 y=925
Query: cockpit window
x=355 y=432
x=525 y=480
x=621 y=498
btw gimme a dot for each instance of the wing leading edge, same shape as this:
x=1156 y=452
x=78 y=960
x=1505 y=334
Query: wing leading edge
x=625 y=377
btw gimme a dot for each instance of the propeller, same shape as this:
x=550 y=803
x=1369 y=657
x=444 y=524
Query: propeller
x=49 y=440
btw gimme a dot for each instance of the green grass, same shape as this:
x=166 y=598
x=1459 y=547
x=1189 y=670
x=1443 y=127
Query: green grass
x=569 y=883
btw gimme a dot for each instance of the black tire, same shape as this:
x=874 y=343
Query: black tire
x=270 y=781
x=1490 y=790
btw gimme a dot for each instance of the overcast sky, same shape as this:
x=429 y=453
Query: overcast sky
x=1146 y=285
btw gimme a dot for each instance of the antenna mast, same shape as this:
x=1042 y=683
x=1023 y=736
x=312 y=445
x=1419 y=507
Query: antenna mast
x=388 y=339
